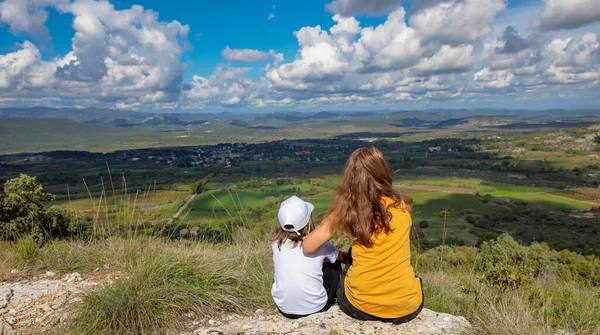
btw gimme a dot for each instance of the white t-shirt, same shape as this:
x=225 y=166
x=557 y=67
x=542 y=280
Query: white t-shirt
x=298 y=285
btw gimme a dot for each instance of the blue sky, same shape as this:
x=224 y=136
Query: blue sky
x=372 y=54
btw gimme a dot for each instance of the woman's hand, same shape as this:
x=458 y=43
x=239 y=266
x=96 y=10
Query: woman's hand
x=323 y=233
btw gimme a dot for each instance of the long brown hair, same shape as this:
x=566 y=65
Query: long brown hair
x=279 y=235
x=358 y=207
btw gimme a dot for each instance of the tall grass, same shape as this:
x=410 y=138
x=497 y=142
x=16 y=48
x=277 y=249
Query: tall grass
x=160 y=280
x=156 y=291
x=546 y=306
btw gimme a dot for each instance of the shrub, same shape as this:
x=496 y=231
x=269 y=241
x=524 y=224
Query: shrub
x=23 y=212
x=504 y=263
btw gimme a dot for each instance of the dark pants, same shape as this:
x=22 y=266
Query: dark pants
x=354 y=312
x=331 y=282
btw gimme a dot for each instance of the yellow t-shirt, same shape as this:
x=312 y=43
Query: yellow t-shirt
x=381 y=281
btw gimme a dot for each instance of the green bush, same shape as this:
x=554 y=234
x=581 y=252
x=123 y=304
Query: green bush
x=23 y=211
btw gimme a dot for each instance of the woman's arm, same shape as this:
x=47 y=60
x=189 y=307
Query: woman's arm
x=323 y=233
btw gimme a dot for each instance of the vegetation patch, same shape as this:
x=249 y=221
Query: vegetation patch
x=155 y=291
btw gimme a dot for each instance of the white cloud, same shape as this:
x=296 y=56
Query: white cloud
x=494 y=79
x=556 y=62
x=355 y=7
x=227 y=86
x=271 y=16
x=447 y=60
x=568 y=14
x=326 y=57
x=244 y=55
x=569 y=52
x=116 y=55
x=27 y=16
x=458 y=21
x=14 y=66
x=391 y=45
x=130 y=60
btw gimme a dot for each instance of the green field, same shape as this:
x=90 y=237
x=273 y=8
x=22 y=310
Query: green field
x=547 y=201
x=223 y=203
x=474 y=184
x=431 y=204
x=447 y=205
x=216 y=203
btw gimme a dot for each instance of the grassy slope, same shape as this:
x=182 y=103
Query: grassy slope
x=236 y=277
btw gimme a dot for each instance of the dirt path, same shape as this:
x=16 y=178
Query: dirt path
x=183 y=207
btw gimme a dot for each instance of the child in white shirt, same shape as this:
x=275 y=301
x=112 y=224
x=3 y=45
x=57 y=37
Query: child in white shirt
x=304 y=283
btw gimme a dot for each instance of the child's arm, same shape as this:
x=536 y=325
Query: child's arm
x=323 y=233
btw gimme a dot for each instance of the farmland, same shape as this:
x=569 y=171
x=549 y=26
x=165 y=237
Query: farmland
x=470 y=179
x=445 y=208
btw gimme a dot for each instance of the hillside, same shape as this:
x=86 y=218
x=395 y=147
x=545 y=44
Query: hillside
x=35 y=135
x=205 y=288
x=146 y=268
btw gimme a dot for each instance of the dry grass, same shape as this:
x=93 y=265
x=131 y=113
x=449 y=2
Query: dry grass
x=158 y=280
x=161 y=280
x=546 y=306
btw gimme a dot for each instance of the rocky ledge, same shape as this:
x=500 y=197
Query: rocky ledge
x=332 y=322
x=39 y=306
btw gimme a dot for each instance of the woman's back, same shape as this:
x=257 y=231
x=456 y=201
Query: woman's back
x=381 y=280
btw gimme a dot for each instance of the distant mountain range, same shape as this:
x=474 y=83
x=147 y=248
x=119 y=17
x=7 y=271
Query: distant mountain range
x=105 y=116
x=102 y=116
x=434 y=118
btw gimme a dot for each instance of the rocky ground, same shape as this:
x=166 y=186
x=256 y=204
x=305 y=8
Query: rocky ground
x=332 y=322
x=39 y=305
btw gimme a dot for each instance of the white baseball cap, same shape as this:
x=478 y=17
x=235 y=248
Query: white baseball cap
x=294 y=212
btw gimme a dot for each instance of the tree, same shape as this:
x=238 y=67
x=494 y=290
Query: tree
x=23 y=211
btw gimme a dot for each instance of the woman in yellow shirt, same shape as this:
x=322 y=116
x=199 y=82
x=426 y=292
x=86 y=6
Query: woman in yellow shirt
x=380 y=284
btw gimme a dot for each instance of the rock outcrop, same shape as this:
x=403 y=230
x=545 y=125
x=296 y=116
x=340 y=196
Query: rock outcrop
x=38 y=307
x=42 y=306
x=332 y=322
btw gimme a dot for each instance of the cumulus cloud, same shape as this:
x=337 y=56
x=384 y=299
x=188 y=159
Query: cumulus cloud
x=16 y=65
x=457 y=22
x=512 y=41
x=391 y=45
x=244 y=55
x=568 y=14
x=328 y=56
x=355 y=7
x=25 y=16
x=556 y=62
x=227 y=86
x=441 y=51
x=447 y=60
x=116 y=55
x=569 y=52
